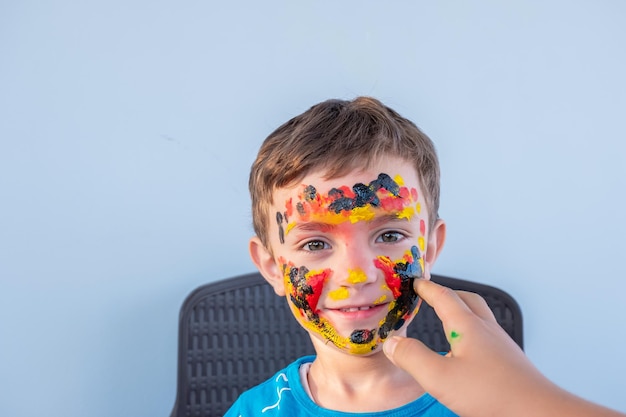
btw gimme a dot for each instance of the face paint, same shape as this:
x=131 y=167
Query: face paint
x=361 y=337
x=339 y=294
x=356 y=276
x=280 y=218
x=381 y=299
x=281 y=231
x=358 y=203
x=304 y=288
x=399 y=276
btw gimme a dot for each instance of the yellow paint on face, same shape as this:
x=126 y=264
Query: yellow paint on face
x=339 y=294
x=421 y=243
x=381 y=300
x=399 y=180
x=328 y=332
x=406 y=213
x=356 y=276
x=362 y=214
x=418 y=207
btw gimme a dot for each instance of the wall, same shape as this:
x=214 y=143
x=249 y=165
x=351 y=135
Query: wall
x=128 y=129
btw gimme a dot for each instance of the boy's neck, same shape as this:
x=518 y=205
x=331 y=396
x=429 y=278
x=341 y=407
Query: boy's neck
x=353 y=383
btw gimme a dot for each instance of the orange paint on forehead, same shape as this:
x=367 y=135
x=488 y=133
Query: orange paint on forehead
x=358 y=203
x=289 y=207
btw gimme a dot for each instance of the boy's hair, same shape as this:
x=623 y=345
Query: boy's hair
x=336 y=137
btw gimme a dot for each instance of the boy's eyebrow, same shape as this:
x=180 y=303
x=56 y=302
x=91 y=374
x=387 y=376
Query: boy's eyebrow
x=319 y=226
x=314 y=226
x=390 y=218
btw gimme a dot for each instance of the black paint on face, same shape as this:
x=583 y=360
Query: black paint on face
x=281 y=231
x=302 y=292
x=363 y=194
x=310 y=193
x=362 y=336
x=407 y=301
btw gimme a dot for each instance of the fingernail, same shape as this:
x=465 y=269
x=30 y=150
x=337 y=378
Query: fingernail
x=390 y=346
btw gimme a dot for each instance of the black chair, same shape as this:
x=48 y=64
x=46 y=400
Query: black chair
x=237 y=332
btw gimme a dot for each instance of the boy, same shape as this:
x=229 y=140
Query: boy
x=345 y=199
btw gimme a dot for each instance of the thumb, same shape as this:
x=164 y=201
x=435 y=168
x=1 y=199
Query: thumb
x=411 y=355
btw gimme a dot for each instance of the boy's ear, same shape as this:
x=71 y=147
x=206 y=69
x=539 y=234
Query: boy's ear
x=267 y=266
x=436 y=239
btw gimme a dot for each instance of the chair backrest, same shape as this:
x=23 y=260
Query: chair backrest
x=236 y=333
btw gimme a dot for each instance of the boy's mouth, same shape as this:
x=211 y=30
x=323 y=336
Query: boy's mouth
x=352 y=309
x=358 y=312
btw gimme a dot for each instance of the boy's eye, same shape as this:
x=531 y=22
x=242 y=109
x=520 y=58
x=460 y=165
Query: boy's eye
x=315 y=245
x=389 y=237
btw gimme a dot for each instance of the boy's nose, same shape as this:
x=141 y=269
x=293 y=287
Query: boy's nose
x=359 y=267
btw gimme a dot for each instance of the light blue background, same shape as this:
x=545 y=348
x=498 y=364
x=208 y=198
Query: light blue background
x=127 y=129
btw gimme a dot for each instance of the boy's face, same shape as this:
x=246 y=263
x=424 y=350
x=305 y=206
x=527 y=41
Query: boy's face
x=345 y=252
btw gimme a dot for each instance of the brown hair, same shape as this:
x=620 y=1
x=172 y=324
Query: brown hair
x=338 y=136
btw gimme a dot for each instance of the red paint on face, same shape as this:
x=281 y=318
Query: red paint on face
x=392 y=204
x=392 y=278
x=307 y=287
x=422 y=227
x=347 y=191
x=316 y=282
x=289 y=207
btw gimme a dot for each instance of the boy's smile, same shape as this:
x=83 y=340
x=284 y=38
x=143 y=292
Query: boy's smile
x=346 y=252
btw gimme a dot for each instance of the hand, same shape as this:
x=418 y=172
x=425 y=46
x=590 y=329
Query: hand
x=485 y=373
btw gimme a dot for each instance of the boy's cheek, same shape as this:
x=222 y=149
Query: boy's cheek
x=409 y=267
x=304 y=286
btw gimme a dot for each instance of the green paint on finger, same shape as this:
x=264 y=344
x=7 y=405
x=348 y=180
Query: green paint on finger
x=454 y=335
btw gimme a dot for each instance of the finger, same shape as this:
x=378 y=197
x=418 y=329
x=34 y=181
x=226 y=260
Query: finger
x=414 y=357
x=477 y=304
x=448 y=305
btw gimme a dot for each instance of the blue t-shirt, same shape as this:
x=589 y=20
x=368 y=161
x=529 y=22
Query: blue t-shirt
x=284 y=395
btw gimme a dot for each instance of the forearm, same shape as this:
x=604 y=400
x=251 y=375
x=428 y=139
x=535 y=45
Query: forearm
x=557 y=402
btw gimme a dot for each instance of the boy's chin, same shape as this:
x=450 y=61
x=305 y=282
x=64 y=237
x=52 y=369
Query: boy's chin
x=344 y=345
x=355 y=342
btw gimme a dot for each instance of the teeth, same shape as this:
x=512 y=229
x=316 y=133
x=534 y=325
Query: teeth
x=353 y=309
